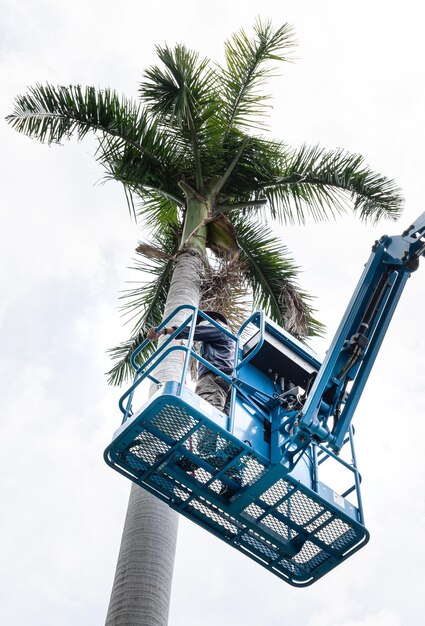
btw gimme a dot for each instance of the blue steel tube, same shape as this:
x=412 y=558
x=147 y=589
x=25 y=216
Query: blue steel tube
x=315 y=466
x=231 y=420
x=367 y=362
x=261 y=326
x=356 y=475
x=193 y=319
x=146 y=374
x=161 y=325
x=237 y=364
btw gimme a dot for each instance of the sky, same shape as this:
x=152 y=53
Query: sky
x=66 y=242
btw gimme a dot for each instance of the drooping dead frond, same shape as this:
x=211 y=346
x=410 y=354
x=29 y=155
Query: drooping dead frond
x=224 y=289
x=297 y=312
x=152 y=252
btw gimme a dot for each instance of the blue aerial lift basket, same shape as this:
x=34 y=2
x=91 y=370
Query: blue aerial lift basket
x=219 y=471
x=253 y=478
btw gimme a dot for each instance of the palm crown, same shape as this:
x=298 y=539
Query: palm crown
x=203 y=180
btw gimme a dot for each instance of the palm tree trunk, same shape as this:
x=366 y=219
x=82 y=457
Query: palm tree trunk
x=142 y=585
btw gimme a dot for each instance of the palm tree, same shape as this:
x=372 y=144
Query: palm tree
x=203 y=178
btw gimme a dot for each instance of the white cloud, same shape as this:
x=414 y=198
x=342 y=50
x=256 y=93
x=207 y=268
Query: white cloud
x=382 y=618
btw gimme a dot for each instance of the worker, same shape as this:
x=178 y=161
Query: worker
x=217 y=348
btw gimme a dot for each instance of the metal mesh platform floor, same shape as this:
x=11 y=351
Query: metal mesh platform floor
x=200 y=470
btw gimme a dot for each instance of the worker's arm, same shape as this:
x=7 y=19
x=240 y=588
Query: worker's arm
x=203 y=332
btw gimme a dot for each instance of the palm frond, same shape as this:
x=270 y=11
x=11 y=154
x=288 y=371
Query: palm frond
x=183 y=89
x=147 y=299
x=125 y=163
x=144 y=304
x=155 y=196
x=223 y=289
x=324 y=183
x=259 y=162
x=182 y=95
x=158 y=211
x=123 y=369
x=247 y=68
x=271 y=274
x=50 y=114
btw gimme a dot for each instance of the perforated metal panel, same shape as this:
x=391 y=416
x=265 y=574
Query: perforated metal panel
x=175 y=452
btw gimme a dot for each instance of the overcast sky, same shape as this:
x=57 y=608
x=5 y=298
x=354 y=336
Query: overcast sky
x=66 y=242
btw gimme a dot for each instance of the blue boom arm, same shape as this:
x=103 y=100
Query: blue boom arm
x=333 y=397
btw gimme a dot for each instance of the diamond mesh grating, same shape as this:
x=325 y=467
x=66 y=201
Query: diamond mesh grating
x=336 y=534
x=251 y=470
x=202 y=475
x=286 y=527
x=308 y=552
x=318 y=522
x=146 y=448
x=174 y=422
x=276 y=492
x=216 y=515
x=279 y=527
x=254 y=511
x=164 y=484
x=300 y=508
x=260 y=546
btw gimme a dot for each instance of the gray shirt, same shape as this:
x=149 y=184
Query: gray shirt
x=217 y=347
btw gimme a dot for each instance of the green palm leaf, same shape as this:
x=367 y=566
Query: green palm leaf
x=260 y=162
x=247 y=68
x=123 y=369
x=320 y=183
x=183 y=91
x=144 y=304
x=271 y=274
x=126 y=165
x=182 y=96
x=50 y=114
x=159 y=211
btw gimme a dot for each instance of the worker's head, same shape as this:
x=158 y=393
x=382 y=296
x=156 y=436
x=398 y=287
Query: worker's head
x=215 y=315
